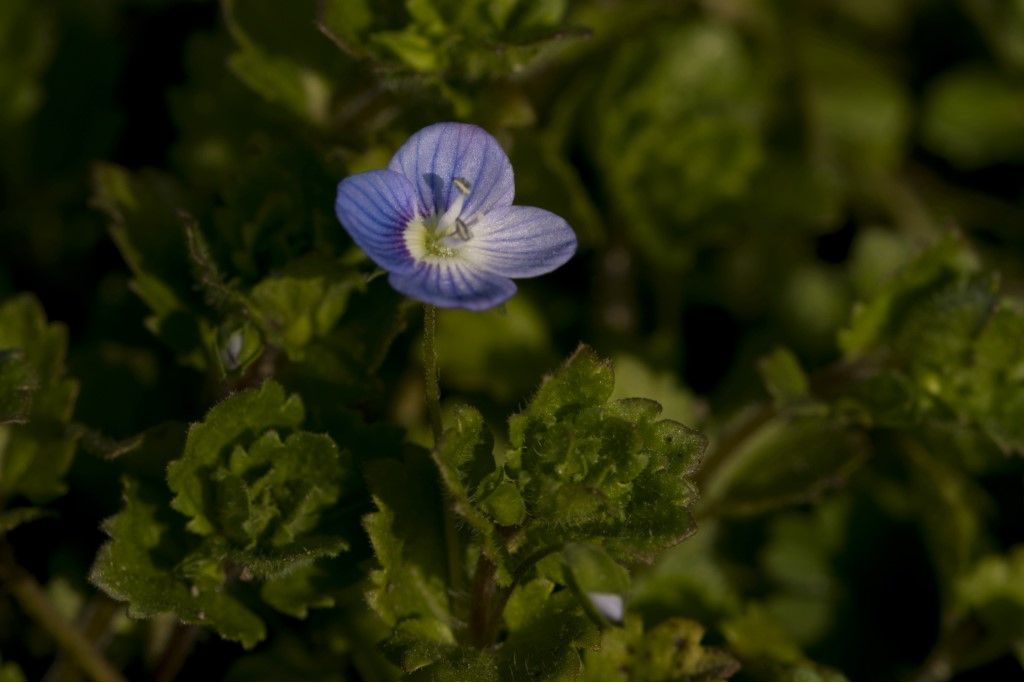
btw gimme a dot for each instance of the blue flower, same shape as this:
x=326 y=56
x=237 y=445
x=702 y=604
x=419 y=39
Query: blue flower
x=440 y=220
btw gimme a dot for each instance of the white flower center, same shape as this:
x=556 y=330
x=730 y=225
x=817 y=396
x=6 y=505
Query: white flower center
x=440 y=238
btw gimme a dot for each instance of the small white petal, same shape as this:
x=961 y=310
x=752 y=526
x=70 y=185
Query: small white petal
x=610 y=605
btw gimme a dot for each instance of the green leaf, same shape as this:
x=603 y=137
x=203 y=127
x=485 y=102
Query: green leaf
x=17 y=384
x=785 y=462
x=299 y=591
x=345 y=22
x=873 y=320
x=997 y=395
x=304 y=302
x=993 y=592
x=10 y=671
x=411 y=582
x=679 y=115
x=861 y=112
x=784 y=378
x=546 y=631
x=599 y=582
x=35 y=455
x=278 y=78
x=131 y=567
x=634 y=378
x=241 y=415
x=690 y=579
x=265 y=496
x=15 y=517
x=145 y=217
x=592 y=469
x=671 y=651
x=975 y=117
x=767 y=653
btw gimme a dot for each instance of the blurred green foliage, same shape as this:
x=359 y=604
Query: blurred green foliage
x=790 y=446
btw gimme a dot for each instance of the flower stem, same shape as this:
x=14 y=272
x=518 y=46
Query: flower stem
x=433 y=394
x=484 y=603
x=32 y=598
x=431 y=375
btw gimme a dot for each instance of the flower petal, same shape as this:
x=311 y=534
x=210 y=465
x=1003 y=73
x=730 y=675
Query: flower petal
x=454 y=284
x=432 y=157
x=374 y=207
x=520 y=241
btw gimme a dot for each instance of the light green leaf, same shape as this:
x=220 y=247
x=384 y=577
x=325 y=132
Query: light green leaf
x=547 y=629
x=127 y=569
x=35 y=455
x=767 y=653
x=593 y=469
x=975 y=117
x=671 y=651
x=17 y=384
x=411 y=582
x=784 y=378
x=299 y=591
x=248 y=412
x=304 y=302
x=786 y=462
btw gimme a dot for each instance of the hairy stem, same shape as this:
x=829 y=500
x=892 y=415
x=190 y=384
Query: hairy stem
x=432 y=382
x=430 y=372
x=34 y=601
x=483 y=604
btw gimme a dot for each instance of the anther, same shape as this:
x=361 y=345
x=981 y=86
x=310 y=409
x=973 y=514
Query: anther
x=462 y=229
x=462 y=185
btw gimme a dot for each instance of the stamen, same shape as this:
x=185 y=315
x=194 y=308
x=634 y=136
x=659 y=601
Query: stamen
x=451 y=216
x=462 y=230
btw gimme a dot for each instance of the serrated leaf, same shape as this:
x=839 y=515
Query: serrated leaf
x=872 y=320
x=244 y=414
x=131 y=568
x=671 y=651
x=303 y=302
x=412 y=580
x=263 y=496
x=145 y=221
x=593 y=469
x=35 y=455
x=679 y=114
x=466 y=462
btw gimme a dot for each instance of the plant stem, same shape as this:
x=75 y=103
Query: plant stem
x=94 y=625
x=483 y=603
x=432 y=382
x=179 y=647
x=431 y=375
x=33 y=600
